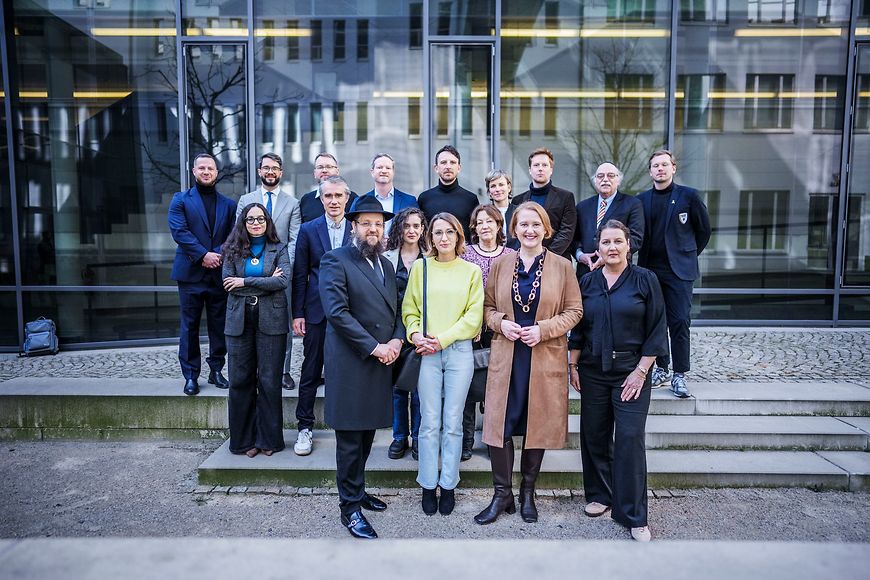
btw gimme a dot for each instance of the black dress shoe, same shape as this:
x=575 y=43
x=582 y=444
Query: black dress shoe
x=287 y=382
x=217 y=379
x=397 y=448
x=358 y=526
x=430 y=501
x=190 y=387
x=466 y=454
x=415 y=452
x=446 y=502
x=373 y=504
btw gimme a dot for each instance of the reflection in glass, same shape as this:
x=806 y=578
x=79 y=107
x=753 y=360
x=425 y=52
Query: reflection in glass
x=7 y=261
x=8 y=322
x=97 y=129
x=214 y=18
x=461 y=17
x=857 y=255
x=761 y=307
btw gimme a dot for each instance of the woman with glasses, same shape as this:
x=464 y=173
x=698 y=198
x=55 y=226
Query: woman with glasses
x=454 y=313
x=405 y=245
x=256 y=271
x=532 y=301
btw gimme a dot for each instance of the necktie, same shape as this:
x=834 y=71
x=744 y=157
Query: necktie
x=379 y=272
x=602 y=209
x=269 y=202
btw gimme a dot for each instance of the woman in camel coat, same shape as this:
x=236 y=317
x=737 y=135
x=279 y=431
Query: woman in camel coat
x=527 y=386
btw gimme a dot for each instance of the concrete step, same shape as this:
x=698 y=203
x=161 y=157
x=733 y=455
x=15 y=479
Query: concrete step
x=561 y=469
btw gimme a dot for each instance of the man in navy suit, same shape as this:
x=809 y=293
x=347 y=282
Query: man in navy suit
x=609 y=204
x=325 y=165
x=677 y=231
x=317 y=237
x=200 y=220
x=392 y=200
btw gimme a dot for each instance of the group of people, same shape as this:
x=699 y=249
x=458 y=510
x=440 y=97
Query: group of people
x=363 y=278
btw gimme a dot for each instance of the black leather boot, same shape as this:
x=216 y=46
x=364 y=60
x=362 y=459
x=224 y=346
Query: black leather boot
x=530 y=466
x=468 y=419
x=502 y=460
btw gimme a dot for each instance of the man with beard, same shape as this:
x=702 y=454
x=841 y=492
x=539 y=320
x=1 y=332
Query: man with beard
x=287 y=217
x=200 y=220
x=363 y=337
x=325 y=165
x=448 y=195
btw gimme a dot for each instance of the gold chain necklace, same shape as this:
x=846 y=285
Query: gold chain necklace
x=535 y=284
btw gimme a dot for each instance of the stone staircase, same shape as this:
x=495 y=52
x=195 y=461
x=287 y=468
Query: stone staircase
x=808 y=434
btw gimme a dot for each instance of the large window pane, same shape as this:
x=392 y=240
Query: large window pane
x=462 y=17
x=97 y=141
x=214 y=18
x=361 y=86
x=586 y=80
x=9 y=320
x=7 y=263
x=762 y=307
x=760 y=95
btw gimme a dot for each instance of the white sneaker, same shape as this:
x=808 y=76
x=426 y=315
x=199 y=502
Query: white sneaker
x=595 y=509
x=304 y=442
x=641 y=534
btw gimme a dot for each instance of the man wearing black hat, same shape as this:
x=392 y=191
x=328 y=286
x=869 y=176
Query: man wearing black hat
x=364 y=335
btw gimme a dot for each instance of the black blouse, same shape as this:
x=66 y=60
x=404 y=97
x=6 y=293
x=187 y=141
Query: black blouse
x=629 y=317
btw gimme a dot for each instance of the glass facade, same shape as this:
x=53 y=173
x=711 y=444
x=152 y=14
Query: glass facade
x=110 y=99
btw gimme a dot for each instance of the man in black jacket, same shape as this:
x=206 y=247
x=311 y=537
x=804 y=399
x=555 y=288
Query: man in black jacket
x=363 y=336
x=325 y=165
x=677 y=230
x=558 y=202
x=448 y=196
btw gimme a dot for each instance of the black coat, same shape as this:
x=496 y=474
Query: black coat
x=563 y=217
x=311 y=207
x=361 y=312
x=624 y=208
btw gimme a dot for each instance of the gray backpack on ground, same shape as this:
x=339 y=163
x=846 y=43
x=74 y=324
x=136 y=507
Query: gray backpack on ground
x=40 y=337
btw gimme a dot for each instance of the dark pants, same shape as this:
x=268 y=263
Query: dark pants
x=400 y=414
x=352 y=450
x=614 y=460
x=469 y=420
x=312 y=370
x=288 y=353
x=192 y=296
x=255 y=364
x=678 y=309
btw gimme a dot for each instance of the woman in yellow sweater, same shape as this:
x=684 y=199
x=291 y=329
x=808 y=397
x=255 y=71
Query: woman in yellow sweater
x=454 y=314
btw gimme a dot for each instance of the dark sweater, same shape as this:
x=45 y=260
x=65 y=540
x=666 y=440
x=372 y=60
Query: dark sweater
x=209 y=200
x=658 y=253
x=451 y=199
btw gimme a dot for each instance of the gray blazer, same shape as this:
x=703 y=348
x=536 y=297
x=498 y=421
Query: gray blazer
x=269 y=289
x=286 y=214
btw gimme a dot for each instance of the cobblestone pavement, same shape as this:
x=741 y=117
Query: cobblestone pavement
x=719 y=354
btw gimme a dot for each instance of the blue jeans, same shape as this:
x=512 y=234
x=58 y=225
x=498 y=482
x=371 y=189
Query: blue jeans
x=400 y=414
x=443 y=386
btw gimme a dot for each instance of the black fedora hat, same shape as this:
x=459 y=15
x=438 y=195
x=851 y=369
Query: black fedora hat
x=367 y=204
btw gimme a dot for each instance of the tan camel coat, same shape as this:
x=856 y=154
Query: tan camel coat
x=559 y=310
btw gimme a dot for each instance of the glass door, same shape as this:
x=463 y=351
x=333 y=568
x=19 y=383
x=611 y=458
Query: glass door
x=461 y=107
x=215 y=103
x=856 y=263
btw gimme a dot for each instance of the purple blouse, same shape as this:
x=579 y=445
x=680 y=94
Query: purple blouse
x=484 y=262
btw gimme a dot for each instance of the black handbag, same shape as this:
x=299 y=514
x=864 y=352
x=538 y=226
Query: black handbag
x=409 y=359
x=477 y=390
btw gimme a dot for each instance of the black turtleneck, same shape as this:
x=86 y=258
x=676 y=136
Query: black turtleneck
x=208 y=194
x=539 y=194
x=451 y=198
x=658 y=253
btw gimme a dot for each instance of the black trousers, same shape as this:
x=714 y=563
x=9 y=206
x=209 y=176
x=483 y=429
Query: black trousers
x=612 y=445
x=678 y=309
x=255 y=409
x=312 y=370
x=352 y=450
x=192 y=297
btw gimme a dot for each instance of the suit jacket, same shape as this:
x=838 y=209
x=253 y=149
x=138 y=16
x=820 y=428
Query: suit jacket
x=273 y=316
x=286 y=214
x=625 y=208
x=311 y=245
x=401 y=200
x=311 y=207
x=563 y=217
x=189 y=226
x=510 y=240
x=361 y=312
x=687 y=230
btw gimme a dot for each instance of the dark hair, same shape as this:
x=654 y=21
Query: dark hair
x=496 y=215
x=207 y=156
x=448 y=149
x=274 y=157
x=325 y=154
x=238 y=243
x=379 y=155
x=542 y=151
x=614 y=225
x=397 y=229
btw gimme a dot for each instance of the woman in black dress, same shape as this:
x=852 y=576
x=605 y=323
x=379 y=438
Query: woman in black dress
x=612 y=349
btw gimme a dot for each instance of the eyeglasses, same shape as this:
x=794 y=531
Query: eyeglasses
x=610 y=176
x=443 y=233
x=325 y=167
x=367 y=225
x=270 y=169
x=260 y=219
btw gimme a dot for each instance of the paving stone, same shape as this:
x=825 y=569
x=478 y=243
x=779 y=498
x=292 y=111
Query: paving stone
x=203 y=489
x=305 y=491
x=289 y=490
x=272 y=490
x=562 y=493
x=238 y=489
x=221 y=489
x=257 y=489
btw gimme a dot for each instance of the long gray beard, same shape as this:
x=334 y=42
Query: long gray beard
x=368 y=251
